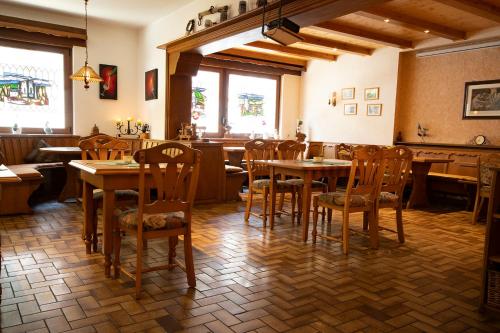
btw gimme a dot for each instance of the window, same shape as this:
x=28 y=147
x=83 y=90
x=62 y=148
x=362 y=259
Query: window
x=238 y=101
x=34 y=88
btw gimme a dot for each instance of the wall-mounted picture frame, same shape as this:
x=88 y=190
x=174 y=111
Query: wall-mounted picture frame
x=372 y=93
x=151 y=84
x=482 y=100
x=373 y=109
x=348 y=93
x=108 y=87
x=351 y=109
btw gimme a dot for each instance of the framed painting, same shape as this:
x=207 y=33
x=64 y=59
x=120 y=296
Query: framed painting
x=151 y=84
x=108 y=87
x=374 y=109
x=348 y=93
x=371 y=93
x=482 y=100
x=350 y=109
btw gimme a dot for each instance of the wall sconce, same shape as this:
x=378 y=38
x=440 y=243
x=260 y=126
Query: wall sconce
x=333 y=99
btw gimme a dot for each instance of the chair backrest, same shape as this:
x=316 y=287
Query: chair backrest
x=255 y=150
x=397 y=169
x=367 y=171
x=175 y=169
x=483 y=168
x=344 y=151
x=291 y=150
x=102 y=147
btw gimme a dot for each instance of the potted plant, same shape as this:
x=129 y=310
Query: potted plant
x=145 y=129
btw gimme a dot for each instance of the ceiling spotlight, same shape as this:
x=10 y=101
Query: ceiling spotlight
x=426 y=31
x=335 y=49
x=387 y=20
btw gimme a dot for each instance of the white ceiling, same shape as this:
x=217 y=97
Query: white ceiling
x=131 y=12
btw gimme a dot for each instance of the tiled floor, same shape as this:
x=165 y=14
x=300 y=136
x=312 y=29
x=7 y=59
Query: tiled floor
x=248 y=279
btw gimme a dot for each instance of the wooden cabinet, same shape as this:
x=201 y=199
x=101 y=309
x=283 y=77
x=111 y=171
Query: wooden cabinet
x=490 y=287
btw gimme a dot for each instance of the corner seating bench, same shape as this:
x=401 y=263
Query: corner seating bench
x=14 y=149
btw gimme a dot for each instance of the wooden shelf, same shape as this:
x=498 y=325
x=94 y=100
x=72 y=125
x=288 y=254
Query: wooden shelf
x=447 y=145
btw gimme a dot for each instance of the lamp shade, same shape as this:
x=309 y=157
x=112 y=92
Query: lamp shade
x=86 y=74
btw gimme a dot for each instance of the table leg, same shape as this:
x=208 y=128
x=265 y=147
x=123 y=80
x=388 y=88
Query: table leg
x=418 y=196
x=272 y=194
x=70 y=189
x=88 y=213
x=306 y=205
x=107 y=218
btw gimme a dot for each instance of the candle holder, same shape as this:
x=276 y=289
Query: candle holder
x=127 y=129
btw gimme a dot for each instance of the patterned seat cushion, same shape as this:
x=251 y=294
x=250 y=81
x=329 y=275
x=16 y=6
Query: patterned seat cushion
x=300 y=182
x=387 y=197
x=128 y=219
x=259 y=184
x=339 y=198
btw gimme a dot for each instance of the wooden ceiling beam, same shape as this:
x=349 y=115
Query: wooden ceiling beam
x=475 y=7
x=42 y=27
x=255 y=63
x=276 y=58
x=333 y=44
x=293 y=50
x=366 y=35
x=413 y=23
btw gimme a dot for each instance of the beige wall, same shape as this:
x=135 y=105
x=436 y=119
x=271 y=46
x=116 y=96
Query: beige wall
x=109 y=43
x=289 y=106
x=431 y=91
x=323 y=122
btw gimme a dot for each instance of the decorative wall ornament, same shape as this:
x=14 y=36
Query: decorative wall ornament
x=348 y=93
x=374 y=109
x=482 y=99
x=351 y=109
x=108 y=87
x=372 y=93
x=151 y=84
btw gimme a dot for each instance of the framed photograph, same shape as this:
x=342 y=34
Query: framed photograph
x=371 y=93
x=151 y=84
x=351 y=109
x=482 y=99
x=373 y=109
x=108 y=88
x=348 y=93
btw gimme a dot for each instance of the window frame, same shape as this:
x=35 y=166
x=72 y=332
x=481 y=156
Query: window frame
x=223 y=97
x=68 y=85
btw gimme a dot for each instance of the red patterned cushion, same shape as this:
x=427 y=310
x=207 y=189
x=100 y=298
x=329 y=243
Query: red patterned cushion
x=128 y=219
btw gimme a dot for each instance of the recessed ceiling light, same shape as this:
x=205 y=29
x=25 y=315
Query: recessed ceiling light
x=335 y=49
x=387 y=20
x=426 y=31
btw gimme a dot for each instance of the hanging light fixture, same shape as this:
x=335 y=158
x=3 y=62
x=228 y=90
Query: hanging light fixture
x=86 y=73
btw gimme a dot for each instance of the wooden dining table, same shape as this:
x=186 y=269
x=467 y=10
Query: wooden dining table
x=420 y=168
x=308 y=170
x=108 y=176
x=71 y=188
x=7 y=176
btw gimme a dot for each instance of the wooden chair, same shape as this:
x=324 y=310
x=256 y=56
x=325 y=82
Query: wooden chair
x=397 y=169
x=263 y=150
x=363 y=187
x=293 y=150
x=344 y=151
x=174 y=169
x=484 y=182
x=103 y=147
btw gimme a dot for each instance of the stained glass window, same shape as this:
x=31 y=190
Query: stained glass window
x=205 y=101
x=31 y=88
x=251 y=104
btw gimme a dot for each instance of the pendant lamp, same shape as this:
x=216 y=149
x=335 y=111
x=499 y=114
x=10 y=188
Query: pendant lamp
x=86 y=73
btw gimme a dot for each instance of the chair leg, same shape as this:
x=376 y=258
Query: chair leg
x=323 y=209
x=365 y=220
x=138 y=267
x=282 y=200
x=373 y=227
x=293 y=206
x=172 y=243
x=399 y=223
x=329 y=213
x=315 y=219
x=299 y=205
x=264 y=206
x=345 y=232
x=117 y=242
x=249 y=205
x=188 y=257
x=477 y=208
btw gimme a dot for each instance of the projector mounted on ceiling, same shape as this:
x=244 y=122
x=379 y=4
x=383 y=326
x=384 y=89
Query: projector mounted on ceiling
x=282 y=30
